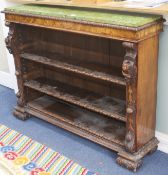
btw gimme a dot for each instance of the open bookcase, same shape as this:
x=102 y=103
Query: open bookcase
x=95 y=77
x=77 y=80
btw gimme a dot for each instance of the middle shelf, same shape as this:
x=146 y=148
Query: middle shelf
x=76 y=66
x=105 y=105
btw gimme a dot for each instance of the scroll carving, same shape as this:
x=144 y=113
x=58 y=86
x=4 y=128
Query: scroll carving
x=129 y=70
x=9 y=39
x=12 y=45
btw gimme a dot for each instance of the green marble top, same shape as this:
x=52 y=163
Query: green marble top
x=112 y=18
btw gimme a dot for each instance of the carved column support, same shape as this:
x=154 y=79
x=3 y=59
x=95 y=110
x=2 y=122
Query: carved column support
x=129 y=70
x=12 y=44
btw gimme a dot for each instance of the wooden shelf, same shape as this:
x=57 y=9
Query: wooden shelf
x=105 y=105
x=76 y=66
x=77 y=120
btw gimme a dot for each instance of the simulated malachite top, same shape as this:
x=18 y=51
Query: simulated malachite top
x=110 y=17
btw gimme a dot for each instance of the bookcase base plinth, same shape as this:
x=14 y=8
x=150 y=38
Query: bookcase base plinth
x=134 y=161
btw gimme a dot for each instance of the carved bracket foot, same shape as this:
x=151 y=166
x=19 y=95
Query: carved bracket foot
x=131 y=165
x=19 y=112
x=133 y=161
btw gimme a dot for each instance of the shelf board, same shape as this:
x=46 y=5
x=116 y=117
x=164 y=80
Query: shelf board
x=105 y=105
x=82 y=122
x=68 y=64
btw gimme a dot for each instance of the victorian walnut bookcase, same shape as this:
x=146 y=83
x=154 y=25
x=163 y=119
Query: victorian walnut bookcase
x=91 y=72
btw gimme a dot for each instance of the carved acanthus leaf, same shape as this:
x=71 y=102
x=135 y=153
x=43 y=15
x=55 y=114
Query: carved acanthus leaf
x=129 y=68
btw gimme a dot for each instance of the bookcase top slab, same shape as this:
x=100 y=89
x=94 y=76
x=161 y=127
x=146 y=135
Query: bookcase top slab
x=86 y=15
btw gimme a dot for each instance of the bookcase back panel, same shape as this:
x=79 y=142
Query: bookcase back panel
x=79 y=47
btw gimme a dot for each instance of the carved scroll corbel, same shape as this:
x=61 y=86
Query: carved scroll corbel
x=13 y=47
x=129 y=70
x=10 y=38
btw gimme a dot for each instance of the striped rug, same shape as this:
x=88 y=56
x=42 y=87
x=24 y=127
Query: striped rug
x=20 y=155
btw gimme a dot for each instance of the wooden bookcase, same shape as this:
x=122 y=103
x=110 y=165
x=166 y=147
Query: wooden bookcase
x=93 y=79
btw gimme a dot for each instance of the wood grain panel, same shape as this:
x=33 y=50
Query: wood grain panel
x=113 y=32
x=146 y=90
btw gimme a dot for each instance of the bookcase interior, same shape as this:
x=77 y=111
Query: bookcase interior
x=78 y=80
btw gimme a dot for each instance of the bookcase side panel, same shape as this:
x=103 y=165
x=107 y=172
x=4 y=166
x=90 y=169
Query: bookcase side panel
x=146 y=90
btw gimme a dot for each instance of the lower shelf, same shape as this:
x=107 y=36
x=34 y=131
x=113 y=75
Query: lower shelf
x=105 y=131
x=105 y=105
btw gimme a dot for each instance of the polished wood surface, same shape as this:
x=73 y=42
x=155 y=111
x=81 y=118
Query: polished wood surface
x=119 y=33
x=147 y=67
x=96 y=81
